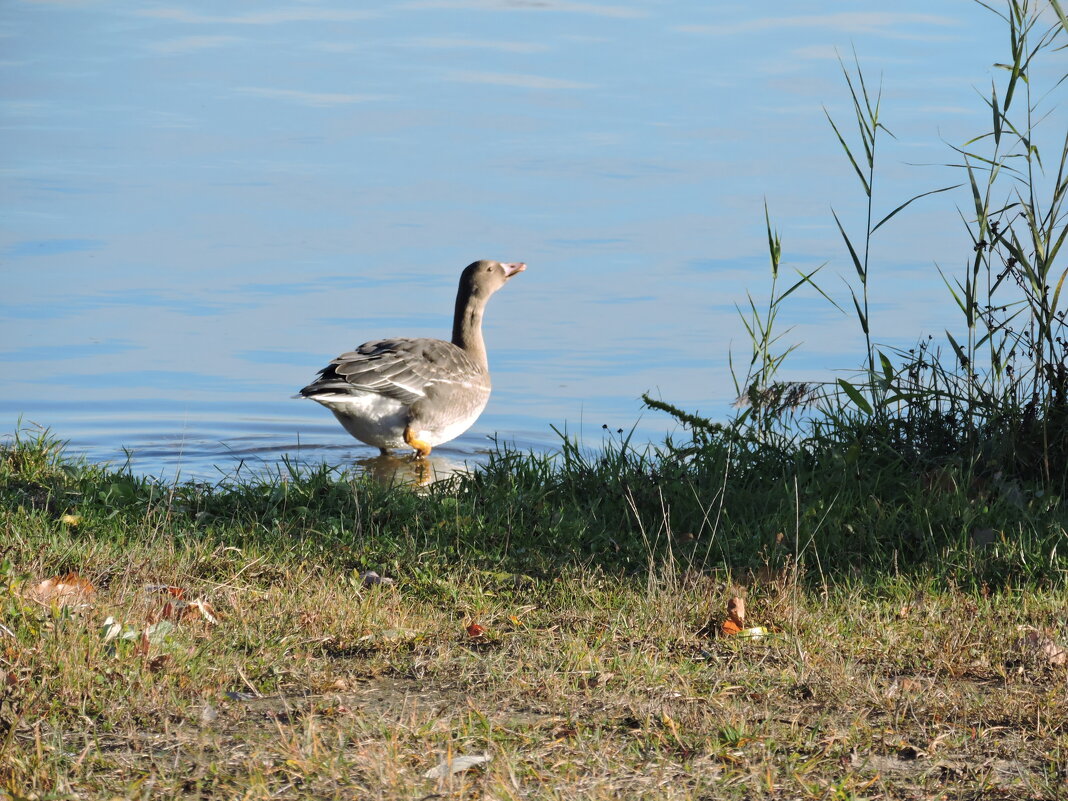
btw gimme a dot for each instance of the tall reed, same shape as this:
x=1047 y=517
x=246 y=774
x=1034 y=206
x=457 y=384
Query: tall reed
x=996 y=398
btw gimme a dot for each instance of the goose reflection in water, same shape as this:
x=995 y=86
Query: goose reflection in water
x=391 y=470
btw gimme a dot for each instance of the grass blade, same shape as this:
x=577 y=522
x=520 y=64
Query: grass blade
x=854 y=395
x=849 y=153
x=852 y=250
x=907 y=202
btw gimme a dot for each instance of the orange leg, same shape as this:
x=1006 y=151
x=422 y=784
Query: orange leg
x=422 y=450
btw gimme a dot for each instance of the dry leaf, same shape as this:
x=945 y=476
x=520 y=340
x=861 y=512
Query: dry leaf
x=475 y=631
x=70 y=590
x=166 y=613
x=199 y=609
x=142 y=645
x=111 y=629
x=736 y=611
x=729 y=628
x=185 y=611
x=157 y=663
x=1044 y=648
x=735 y=621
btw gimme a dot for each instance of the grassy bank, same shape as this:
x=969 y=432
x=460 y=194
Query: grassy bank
x=595 y=672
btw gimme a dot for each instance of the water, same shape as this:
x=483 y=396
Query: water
x=202 y=207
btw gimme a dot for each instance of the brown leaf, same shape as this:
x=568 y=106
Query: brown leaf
x=475 y=631
x=157 y=663
x=166 y=613
x=736 y=611
x=143 y=645
x=186 y=611
x=200 y=610
x=70 y=590
x=729 y=628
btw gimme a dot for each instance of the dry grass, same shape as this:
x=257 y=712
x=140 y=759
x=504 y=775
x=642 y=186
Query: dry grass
x=582 y=686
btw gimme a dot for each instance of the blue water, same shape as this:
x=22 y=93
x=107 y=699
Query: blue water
x=203 y=203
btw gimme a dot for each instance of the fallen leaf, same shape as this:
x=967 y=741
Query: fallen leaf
x=736 y=611
x=185 y=611
x=157 y=663
x=201 y=609
x=475 y=631
x=166 y=613
x=70 y=590
x=729 y=628
x=456 y=765
x=142 y=645
x=735 y=622
x=111 y=629
x=1043 y=647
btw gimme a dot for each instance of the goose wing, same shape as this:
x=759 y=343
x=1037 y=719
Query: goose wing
x=402 y=369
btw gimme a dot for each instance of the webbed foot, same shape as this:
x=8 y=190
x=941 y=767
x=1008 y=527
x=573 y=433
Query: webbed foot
x=422 y=449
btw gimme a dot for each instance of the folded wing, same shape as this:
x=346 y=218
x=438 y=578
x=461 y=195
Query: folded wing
x=402 y=369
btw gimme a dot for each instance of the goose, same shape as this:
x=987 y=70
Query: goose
x=392 y=393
